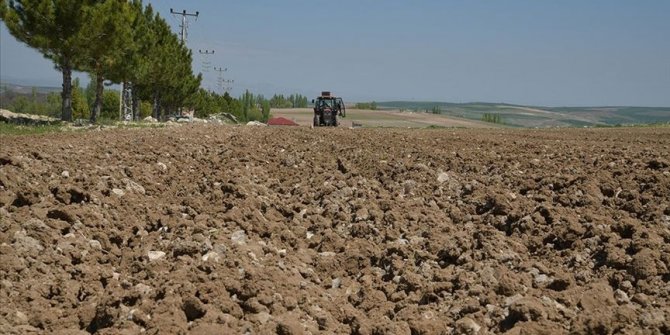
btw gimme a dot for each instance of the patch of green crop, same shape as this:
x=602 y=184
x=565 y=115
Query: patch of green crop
x=20 y=130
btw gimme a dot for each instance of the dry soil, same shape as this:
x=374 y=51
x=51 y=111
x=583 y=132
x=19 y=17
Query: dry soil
x=261 y=230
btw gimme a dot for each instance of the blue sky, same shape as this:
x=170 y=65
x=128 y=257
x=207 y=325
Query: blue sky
x=542 y=52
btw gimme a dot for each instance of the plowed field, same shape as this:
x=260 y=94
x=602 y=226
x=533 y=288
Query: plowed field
x=260 y=230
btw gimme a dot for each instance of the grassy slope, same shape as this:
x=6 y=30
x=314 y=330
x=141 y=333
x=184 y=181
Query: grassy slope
x=13 y=129
x=532 y=116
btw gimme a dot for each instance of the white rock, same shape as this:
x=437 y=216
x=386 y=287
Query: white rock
x=162 y=166
x=21 y=318
x=362 y=214
x=65 y=174
x=309 y=235
x=133 y=186
x=118 y=192
x=621 y=297
x=26 y=244
x=78 y=225
x=416 y=240
x=143 y=289
x=510 y=300
x=95 y=244
x=252 y=256
x=6 y=284
x=239 y=237
x=327 y=254
x=335 y=283
x=467 y=326
x=155 y=255
x=211 y=256
x=442 y=177
x=541 y=279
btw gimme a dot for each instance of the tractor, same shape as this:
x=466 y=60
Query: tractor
x=326 y=110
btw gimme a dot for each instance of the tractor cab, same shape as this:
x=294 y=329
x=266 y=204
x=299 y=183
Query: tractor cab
x=327 y=108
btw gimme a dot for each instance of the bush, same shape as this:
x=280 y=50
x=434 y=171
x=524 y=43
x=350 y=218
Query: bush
x=366 y=105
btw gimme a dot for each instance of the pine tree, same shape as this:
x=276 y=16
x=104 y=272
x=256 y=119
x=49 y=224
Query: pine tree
x=108 y=26
x=52 y=27
x=152 y=68
x=129 y=71
x=165 y=75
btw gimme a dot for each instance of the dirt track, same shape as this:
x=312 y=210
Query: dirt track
x=227 y=230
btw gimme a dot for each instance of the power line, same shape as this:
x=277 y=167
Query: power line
x=184 y=22
x=221 y=81
x=206 y=64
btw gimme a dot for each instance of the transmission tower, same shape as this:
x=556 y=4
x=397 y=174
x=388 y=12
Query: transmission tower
x=184 y=22
x=126 y=102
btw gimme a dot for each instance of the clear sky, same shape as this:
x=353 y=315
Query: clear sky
x=542 y=52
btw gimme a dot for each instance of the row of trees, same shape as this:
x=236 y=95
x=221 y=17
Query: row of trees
x=292 y=101
x=248 y=107
x=49 y=104
x=492 y=118
x=113 y=40
x=366 y=105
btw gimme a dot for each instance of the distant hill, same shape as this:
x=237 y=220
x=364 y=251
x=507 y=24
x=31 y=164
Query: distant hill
x=9 y=93
x=25 y=89
x=538 y=116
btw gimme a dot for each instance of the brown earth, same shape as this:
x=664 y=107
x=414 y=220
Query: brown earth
x=231 y=230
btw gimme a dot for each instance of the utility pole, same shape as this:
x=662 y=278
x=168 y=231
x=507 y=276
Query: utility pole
x=227 y=88
x=184 y=22
x=206 y=65
x=221 y=81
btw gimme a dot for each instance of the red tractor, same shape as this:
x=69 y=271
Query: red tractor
x=326 y=110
